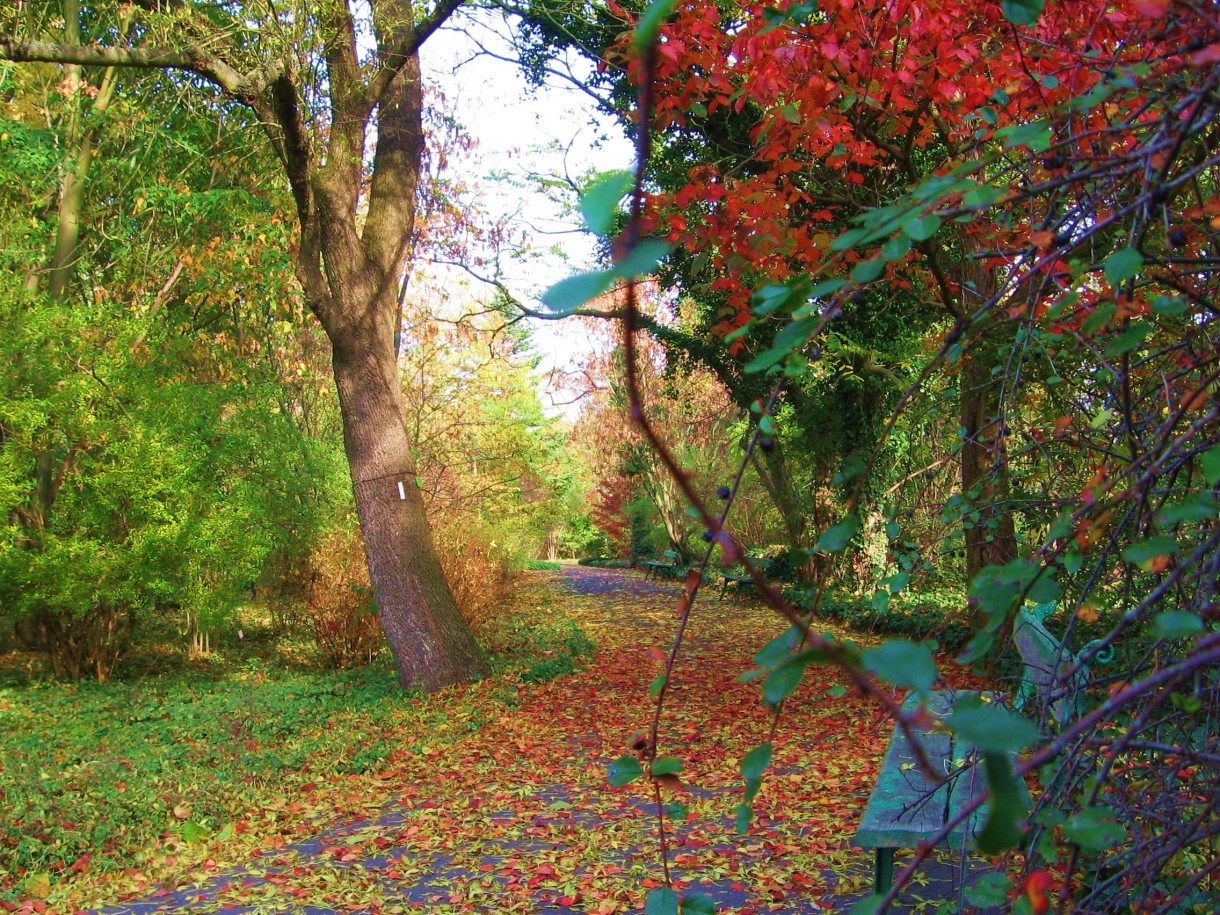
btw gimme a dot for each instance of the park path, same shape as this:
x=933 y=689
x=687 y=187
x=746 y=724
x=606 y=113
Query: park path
x=519 y=817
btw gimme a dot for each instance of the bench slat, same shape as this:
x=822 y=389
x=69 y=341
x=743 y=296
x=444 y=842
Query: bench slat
x=904 y=808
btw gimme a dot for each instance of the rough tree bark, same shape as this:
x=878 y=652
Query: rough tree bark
x=355 y=230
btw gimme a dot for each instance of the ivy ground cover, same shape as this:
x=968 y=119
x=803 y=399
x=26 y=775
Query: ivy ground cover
x=504 y=805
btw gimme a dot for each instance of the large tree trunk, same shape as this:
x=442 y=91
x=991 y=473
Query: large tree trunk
x=432 y=645
x=984 y=470
x=351 y=279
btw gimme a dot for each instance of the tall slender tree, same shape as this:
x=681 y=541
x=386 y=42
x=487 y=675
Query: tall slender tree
x=336 y=89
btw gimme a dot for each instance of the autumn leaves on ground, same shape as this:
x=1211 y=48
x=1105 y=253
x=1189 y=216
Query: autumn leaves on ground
x=495 y=797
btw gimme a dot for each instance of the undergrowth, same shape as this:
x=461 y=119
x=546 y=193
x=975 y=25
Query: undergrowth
x=98 y=778
x=941 y=615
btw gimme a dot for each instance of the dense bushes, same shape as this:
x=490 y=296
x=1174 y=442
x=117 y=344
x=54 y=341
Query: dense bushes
x=128 y=495
x=940 y=615
x=339 y=604
x=480 y=574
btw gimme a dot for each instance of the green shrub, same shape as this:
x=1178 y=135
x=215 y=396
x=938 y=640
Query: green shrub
x=131 y=494
x=941 y=615
x=603 y=563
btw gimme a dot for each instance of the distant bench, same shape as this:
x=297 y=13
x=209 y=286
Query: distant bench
x=668 y=565
x=905 y=810
x=744 y=581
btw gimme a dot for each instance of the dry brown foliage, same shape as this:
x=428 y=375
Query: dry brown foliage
x=339 y=604
x=481 y=581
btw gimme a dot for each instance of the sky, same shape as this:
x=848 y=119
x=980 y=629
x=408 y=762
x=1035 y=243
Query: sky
x=554 y=130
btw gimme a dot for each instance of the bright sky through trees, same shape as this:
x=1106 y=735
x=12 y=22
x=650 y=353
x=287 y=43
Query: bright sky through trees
x=524 y=134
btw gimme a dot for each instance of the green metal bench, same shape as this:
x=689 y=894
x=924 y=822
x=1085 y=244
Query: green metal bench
x=905 y=809
x=1048 y=683
x=668 y=565
x=743 y=581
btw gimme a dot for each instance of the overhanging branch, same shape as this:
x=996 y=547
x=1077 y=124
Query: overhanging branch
x=192 y=59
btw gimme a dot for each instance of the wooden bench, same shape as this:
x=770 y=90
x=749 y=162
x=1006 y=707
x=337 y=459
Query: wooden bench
x=905 y=810
x=1047 y=682
x=669 y=565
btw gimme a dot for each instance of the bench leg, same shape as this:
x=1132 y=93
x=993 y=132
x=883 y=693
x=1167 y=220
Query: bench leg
x=883 y=870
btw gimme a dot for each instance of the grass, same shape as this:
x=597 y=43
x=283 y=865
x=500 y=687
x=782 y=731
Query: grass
x=98 y=778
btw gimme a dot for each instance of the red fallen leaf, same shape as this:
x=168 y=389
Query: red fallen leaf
x=567 y=900
x=309 y=787
x=1037 y=886
x=544 y=870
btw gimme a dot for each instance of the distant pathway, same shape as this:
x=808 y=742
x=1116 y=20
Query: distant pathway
x=519 y=817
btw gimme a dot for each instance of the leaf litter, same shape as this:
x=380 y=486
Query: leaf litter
x=518 y=815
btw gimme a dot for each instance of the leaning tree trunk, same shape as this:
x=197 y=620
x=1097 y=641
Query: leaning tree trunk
x=772 y=471
x=433 y=646
x=352 y=265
